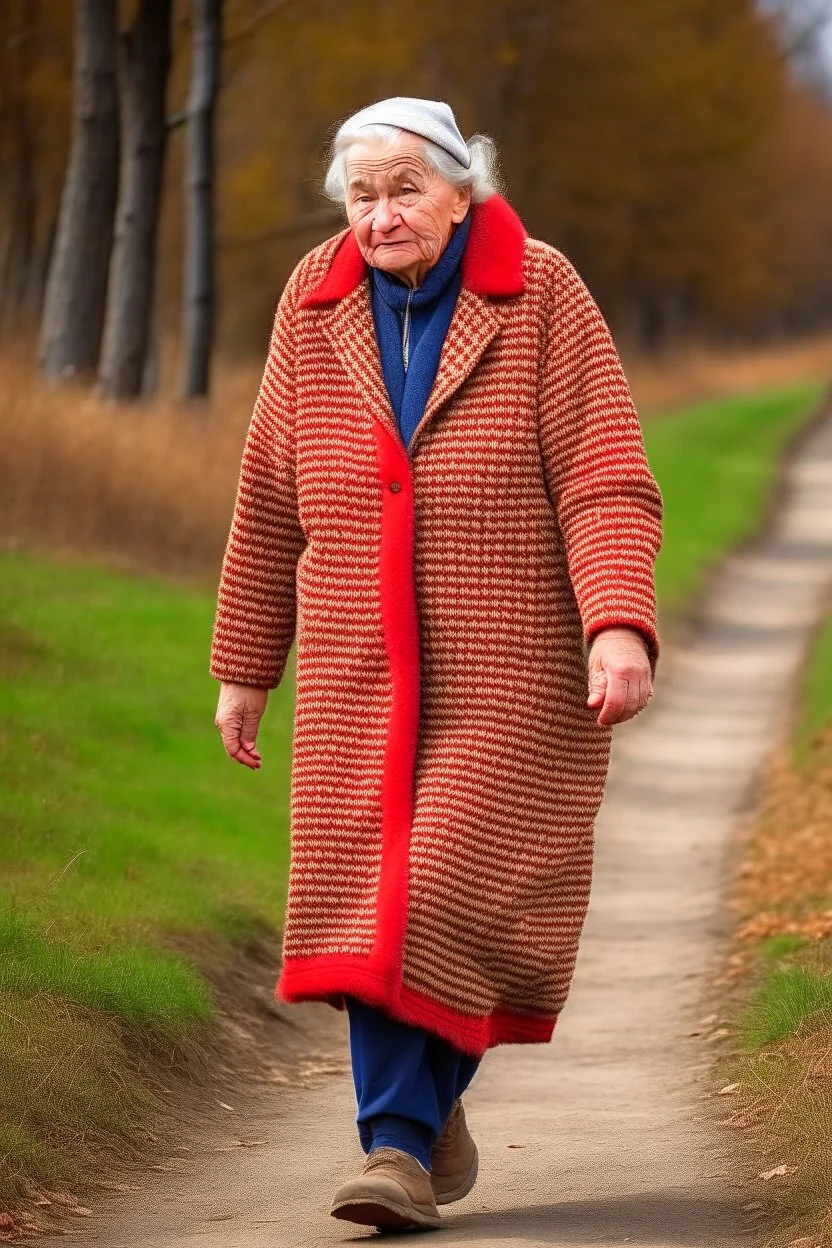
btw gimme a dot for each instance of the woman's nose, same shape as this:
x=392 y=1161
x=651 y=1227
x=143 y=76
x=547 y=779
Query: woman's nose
x=385 y=216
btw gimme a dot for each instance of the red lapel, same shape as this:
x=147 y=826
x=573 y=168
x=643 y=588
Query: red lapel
x=492 y=264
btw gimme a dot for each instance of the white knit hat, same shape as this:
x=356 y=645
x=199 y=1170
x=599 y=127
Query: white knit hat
x=432 y=119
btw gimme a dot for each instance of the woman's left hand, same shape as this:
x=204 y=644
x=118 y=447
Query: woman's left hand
x=620 y=682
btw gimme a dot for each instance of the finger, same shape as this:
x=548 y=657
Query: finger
x=597 y=687
x=246 y=757
x=633 y=703
x=249 y=727
x=253 y=761
x=615 y=700
x=234 y=746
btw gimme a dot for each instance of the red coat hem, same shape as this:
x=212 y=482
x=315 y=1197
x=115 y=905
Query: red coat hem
x=330 y=979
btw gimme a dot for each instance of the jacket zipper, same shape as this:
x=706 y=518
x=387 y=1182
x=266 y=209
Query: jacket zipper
x=406 y=330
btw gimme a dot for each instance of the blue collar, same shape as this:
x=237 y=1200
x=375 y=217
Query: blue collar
x=394 y=292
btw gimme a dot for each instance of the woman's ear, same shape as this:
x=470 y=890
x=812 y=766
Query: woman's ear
x=463 y=203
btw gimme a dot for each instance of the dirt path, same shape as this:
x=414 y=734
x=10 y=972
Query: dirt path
x=599 y=1138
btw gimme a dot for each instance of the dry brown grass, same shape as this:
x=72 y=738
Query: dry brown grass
x=786 y=880
x=697 y=374
x=148 y=487
x=151 y=487
x=784 y=1109
x=782 y=1091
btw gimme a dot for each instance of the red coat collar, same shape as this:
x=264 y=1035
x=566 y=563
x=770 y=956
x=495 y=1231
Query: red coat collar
x=492 y=264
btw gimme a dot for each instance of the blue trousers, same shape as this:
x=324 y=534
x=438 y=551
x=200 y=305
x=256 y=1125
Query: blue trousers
x=406 y=1082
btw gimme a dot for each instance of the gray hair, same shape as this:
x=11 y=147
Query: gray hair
x=483 y=175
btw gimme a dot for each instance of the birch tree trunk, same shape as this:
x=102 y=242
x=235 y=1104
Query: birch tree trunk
x=199 y=282
x=145 y=64
x=76 y=291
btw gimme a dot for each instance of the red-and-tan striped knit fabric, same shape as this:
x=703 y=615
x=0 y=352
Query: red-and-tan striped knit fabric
x=446 y=770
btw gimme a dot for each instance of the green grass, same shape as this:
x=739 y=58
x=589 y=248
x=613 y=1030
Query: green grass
x=816 y=691
x=715 y=463
x=141 y=986
x=125 y=828
x=780 y=946
x=127 y=838
x=789 y=998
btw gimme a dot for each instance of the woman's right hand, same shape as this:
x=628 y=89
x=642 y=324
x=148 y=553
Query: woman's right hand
x=238 y=717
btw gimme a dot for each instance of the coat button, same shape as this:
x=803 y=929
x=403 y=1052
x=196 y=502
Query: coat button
x=395 y=487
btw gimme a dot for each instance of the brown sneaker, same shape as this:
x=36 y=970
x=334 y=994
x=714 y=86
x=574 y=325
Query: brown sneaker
x=393 y=1192
x=454 y=1160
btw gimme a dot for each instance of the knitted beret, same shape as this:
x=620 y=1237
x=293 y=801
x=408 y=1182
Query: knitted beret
x=432 y=119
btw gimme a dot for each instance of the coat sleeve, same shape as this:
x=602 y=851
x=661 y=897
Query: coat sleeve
x=255 y=619
x=607 y=501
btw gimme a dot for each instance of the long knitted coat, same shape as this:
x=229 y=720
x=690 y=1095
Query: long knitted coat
x=446 y=770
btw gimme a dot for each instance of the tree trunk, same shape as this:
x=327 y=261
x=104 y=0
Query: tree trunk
x=199 y=283
x=77 y=288
x=145 y=64
x=21 y=237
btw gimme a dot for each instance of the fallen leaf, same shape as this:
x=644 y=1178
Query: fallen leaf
x=778 y=1172
x=223 y=1105
x=729 y=1089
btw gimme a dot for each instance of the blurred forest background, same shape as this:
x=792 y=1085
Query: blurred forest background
x=160 y=165
x=679 y=153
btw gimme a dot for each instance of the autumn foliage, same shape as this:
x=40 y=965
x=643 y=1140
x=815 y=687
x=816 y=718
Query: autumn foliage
x=665 y=146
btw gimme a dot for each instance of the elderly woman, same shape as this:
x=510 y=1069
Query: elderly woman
x=444 y=498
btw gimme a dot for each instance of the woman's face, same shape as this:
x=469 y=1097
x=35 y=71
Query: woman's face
x=401 y=210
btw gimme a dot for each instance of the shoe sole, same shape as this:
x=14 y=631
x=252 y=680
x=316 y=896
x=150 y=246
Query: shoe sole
x=463 y=1188
x=384 y=1214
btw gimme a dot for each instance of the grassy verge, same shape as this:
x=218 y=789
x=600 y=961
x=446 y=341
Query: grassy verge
x=783 y=977
x=816 y=693
x=716 y=463
x=126 y=840
x=129 y=844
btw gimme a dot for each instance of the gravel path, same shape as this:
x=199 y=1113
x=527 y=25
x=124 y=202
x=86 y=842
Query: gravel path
x=602 y=1137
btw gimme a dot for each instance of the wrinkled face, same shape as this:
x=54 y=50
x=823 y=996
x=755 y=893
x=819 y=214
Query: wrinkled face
x=401 y=210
